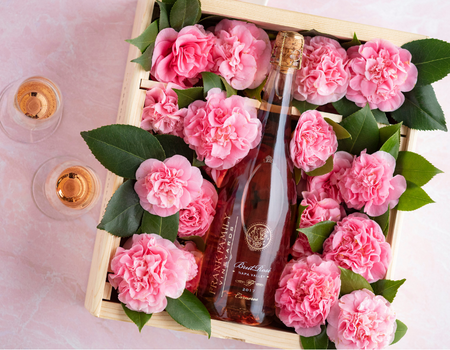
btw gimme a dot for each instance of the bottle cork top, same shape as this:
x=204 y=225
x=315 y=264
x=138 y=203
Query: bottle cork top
x=288 y=49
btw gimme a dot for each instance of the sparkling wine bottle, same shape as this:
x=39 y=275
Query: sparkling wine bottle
x=248 y=241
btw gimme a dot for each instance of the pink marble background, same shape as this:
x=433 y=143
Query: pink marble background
x=45 y=263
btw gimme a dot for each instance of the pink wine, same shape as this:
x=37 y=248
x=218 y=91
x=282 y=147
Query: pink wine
x=75 y=187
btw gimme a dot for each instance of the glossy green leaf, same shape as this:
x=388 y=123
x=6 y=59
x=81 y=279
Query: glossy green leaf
x=147 y=38
x=432 y=59
x=319 y=341
x=122 y=148
x=413 y=198
x=415 y=168
x=123 y=213
x=351 y=281
x=187 y=96
x=354 y=42
x=303 y=106
x=230 y=91
x=364 y=130
x=421 y=110
x=198 y=163
x=164 y=12
x=387 y=131
x=166 y=227
x=138 y=318
x=390 y=139
x=340 y=132
x=324 y=169
x=184 y=13
x=173 y=145
x=297 y=175
x=387 y=288
x=256 y=93
x=345 y=108
x=318 y=233
x=188 y=311
x=211 y=81
x=383 y=221
x=145 y=60
x=301 y=209
x=380 y=116
x=400 y=331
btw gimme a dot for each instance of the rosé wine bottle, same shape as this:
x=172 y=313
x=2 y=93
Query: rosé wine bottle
x=248 y=241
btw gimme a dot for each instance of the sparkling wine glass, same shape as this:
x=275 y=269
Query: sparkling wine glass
x=30 y=109
x=65 y=188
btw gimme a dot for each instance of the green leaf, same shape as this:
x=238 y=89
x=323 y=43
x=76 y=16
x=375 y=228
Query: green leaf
x=230 y=91
x=415 y=168
x=199 y=242
x=380 y=116
x=351 y=281
x=354 y=42
x=211 y=81
x=187 y=96
x=324 y=169
x=184 y=13
x=364 y=130
x=340 y=132
x=319 y=341
x=421 y=110
x=390 y=139
x=303 y=106
x=188 y=311
x=122 y=148
x=318 y=233
x=345 y=108
x=199 y=13
x=123 y=213
x=387 y=288
x=173 y=145
x=256 y=92
x=138 y=318
x=164 y=11
x=166 y=227
x=301 y=209
x=145 y=60
x=387 y=131
x=198 y=163
x=147 y=38
x=400 y=332
x=383 y=221
x=413 y=198
x=432 y=59
x=297 y=175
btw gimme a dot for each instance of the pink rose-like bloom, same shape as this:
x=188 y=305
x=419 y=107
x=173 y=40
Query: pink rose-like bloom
x=308 y=288
x=323 y=76
x=370 y=183
x=149 y=272
x=357 y=243
x=196 y=218
x=166 y=187
x=180 y=57
x=241 y=53
x=197 y=255
x=380 y=72
x=161 y=113
x=301 y=247
x=222 y=130
x=313 y=142
x=328 y=183
x=361 y=320
x=319 y=208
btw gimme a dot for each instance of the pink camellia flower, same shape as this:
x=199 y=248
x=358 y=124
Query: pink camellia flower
x=301 y=247
x=149 y=272
x=161 y=114
x=308 y=288
x=241 y=53
x=319 y=208
x=180 y=57
x=328 y=183
x=370 y=183
x=323 y=76
x=197 y=255
x=222 y=130
x=357 y=243
x=313 y=142
x=361 y=320
x=196 y=218
x=380 y=72
x=166 y=187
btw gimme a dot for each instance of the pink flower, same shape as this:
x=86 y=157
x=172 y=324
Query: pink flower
x=308 y=288
x=301 y=247
x=313 y=142
x=358 y=244
x=380 y=72
x=328 y=183
x=361 y=320
x=323 y=77
x=197 y=257
x=319 y=208
x=166 y=187
x=241 y=53
x=217 y=175
x=222 y=130
x=196 y=218
x=180 y=57
x=151 y=270
x=370 y=183
x=161 y=113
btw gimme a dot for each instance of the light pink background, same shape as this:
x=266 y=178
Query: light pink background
x=44 y=264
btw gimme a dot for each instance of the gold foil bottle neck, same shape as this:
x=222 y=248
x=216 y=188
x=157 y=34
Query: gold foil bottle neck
x=288 y=49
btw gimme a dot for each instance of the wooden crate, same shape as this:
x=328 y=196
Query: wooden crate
x=130 y=109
